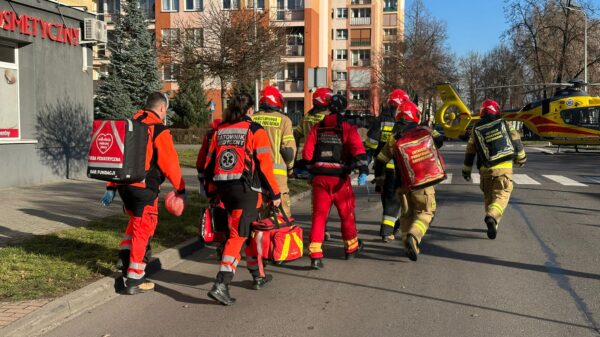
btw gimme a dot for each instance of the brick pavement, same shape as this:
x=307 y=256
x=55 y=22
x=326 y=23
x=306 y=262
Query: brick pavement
x=12 y=311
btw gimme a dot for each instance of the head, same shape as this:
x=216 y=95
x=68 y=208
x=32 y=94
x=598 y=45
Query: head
x=271 y=99
x=239 y=106
x=338 y=104
x=159 y=103
x=408 y=112
x=321 y=98
x=396 y=98
x=489 y=109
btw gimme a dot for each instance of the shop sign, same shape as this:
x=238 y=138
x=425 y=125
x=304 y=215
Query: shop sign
x=32 y=26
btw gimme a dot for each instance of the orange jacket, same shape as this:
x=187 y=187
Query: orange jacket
x=203 y=152
x=166 y=162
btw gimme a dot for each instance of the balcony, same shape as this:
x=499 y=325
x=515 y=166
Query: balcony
x=360 y=42
x=360 y=21
x=361 y=63
x=287 y=15
x=390 y=38
x=390 y=9
x=360 y=2
x=291 y=85
x=294 y=50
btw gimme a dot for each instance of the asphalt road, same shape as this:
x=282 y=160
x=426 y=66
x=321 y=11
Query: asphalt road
x=540 y=277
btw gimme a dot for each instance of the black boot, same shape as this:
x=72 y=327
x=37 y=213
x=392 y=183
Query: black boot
x=260 y=282
x=220 y=293
x=316 y=264
x=355 y=253
x=138 y=286
x=492 y=227
x=412 y=247
x=327 y=236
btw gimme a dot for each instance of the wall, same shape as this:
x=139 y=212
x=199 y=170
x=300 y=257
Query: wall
x=48 y=71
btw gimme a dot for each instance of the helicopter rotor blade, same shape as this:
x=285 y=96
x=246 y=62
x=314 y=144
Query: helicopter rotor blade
x=527 y=85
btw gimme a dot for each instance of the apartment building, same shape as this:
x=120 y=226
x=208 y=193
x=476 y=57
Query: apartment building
x=333 y=43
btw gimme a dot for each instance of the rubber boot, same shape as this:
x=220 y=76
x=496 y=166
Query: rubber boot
x=316 y=264
x=492 y=227
x=260 y=282
x=412 y=247
x=355 y=253
x=220 y=293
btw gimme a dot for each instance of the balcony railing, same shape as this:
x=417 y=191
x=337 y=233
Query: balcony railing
x=296 y=50
x=390 y=9
x=287 y=14
x=361 y=63
x=360 y=42
x=360 y=21
x=390 y=37
x=360 y=2
x=291 y=85
x=359 y=103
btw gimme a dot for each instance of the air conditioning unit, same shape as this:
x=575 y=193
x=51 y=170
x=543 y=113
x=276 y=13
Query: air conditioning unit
x=94 y=30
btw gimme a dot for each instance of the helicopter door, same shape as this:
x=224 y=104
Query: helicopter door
x=545 y=106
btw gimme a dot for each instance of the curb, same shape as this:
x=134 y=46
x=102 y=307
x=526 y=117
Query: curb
x=71 y=305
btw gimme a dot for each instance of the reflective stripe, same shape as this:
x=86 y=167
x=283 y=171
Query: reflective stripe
x=371 y=143
x=328 y=165
x=420 y=225
x=351 y=244
x=497 y=207
x=125 y=247
x=506 y=164
x=226 y=177
x=286 y=247
x=280 y=166
x=315 y=247
x=135 y=276
x=521 y=154
x=263 y=150
x=383 y=157
x=298 y=241
x=227 y=268
x=388 y=125
x=233 y=131
x=227 y=258
x=288 y=137
x=259 y=246
x=138 y=266
x=390 y=165
x=280 y=172
x=466 y=168
x=389 y=223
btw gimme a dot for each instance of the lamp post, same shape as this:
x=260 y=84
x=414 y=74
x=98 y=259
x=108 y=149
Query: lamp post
x=570 y=6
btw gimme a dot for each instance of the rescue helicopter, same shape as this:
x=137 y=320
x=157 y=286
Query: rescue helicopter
x=570 y=117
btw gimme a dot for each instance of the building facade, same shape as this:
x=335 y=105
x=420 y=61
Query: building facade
x=44 y=67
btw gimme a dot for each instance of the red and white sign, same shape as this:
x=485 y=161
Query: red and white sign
x=29 y=25
x=108 y=139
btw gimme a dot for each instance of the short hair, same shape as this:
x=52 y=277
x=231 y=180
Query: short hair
x=155 y=99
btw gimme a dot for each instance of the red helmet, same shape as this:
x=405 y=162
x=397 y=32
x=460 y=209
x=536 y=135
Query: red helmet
x=408 y=111
x=271 y=98
x=397 y=97
x=322 y=97
x=489 y=107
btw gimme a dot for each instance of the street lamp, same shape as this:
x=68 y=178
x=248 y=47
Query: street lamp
x=570 y=6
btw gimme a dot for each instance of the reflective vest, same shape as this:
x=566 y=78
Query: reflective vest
x=329 y=151
x=493 y=142
x=233 y=159
x=418 y=160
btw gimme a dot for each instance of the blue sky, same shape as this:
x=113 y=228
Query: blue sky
x=472 y=24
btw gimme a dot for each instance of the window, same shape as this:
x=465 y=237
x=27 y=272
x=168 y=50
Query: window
x=341 y=34
x=260 y=4
x=341 y=54
x=341 y=92
x=361 y=58
x=170 y=72
x=340 y=75
x=9 y=89
x=295 y=4
x=295 y=71
x=390 y=19
x=583 y=117
x=387 y=47
x=169 y=36
x=390 y=34
x=194 y=5
x=195 y=36
x=342 y=13
x=231 y=4
x=359 y=95
x=170 y=5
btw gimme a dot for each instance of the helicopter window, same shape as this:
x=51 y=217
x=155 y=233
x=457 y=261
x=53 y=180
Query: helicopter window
x=583 y=117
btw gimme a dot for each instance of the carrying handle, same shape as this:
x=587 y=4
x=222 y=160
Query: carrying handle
x=274 y=214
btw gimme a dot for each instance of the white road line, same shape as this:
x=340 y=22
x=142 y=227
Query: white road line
x=523 y=179
x=595 y=180
x=475 y=178
x=546 y=151
x=448 y=179
x=563 y=180
x=463 y=145
x=449 y=145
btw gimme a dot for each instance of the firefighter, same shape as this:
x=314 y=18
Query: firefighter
x=320 y=99
x=332 y=148
x=238 y=169
x=283 y=146
x=417 y=206
x=377 y=136
x=496 y=145
x=141 y=199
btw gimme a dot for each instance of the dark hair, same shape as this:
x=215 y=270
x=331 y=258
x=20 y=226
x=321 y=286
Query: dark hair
x=155 y=99
x=238 y=107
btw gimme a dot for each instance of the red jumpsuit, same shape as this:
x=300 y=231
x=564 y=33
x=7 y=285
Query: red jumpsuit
x=238 y=178
x=331 y=181
x=141 y=199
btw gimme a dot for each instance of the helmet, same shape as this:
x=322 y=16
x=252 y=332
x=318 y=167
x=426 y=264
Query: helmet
x=397 y=97
x=322 y=96
x=489 y=108
x=338 y=104
x=271 y=99
x=408 y=111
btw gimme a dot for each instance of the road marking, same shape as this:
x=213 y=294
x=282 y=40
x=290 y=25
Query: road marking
x=463 y=145
x=563 y=180
x=594 y=180
x=448 y=179
x=449 y=145
x=546 y=151
x=523 y=179
x=475 y=178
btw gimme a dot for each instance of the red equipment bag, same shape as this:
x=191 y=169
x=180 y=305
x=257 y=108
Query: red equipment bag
x=118 y=151
x=418 y=159
x=274 y=242
x=214 y=223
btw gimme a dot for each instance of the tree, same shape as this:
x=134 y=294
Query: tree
x=190 y=106
x=471 y=73
x=133 y=67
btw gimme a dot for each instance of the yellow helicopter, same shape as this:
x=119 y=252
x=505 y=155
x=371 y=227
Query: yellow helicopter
x=570 y=117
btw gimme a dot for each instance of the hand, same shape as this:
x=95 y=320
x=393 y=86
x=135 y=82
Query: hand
x=466 y=175
x=182 y=194
x=277 y=202
x=362 y=179
x=521 y=162
x=108 y=198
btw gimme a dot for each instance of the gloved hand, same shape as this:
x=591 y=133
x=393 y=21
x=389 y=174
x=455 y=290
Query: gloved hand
x=108 y=197
x=362 y=179
x=466 y=175
x=520 y=162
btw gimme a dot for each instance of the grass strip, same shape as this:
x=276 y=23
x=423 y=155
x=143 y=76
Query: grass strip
x=187 y=157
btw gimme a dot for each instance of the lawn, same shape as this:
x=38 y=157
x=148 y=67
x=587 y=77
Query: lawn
x=187 y=157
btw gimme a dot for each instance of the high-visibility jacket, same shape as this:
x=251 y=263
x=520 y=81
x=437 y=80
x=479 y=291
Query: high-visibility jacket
x=283 y=146
x=353 y=156
x=162 y=161
x=241 y=153
x=378 y=135
x=306 y=124
x=471 y=152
